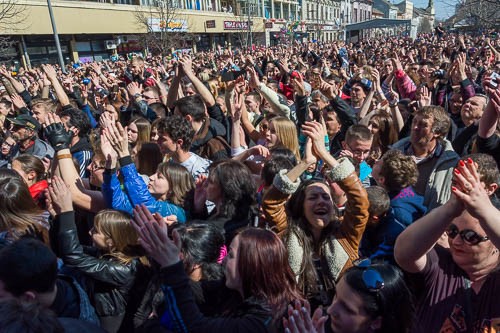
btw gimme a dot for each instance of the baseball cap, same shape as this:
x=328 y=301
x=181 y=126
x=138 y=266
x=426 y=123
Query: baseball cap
x=25 y=121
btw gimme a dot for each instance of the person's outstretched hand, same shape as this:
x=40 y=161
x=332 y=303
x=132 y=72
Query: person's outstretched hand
x=56 y=133
x=153 y=237
x=300 y=320
x=60 y=196
x=117 y=137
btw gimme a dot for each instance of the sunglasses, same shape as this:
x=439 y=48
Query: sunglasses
x=371 y=277
x=467 y=235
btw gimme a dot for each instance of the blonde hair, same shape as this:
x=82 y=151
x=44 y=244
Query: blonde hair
x=286 y=131
x=116 y=226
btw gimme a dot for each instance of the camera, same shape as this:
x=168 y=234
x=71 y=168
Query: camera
x=366 y=83
x=439 y=73
x=495 y=79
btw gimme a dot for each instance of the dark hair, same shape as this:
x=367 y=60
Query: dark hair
x=379 y=201
x=148 y=158
x=258 y=251
x=159 y=109
x=393 y=302
x=285 y=153
x=77 y=119
x=193 y=106
x=6 y=102
x=31 y=163
x=387 y=133
x=177 y=127
x=201 y=245
x=358 y=132
x=272 y=167
x=237 y=188
x=486 y=167
x=27 y=317
x=28 y=265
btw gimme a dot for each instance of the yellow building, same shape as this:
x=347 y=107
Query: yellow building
x=91 y=30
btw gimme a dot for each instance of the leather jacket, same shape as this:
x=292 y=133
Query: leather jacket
x=111 y=284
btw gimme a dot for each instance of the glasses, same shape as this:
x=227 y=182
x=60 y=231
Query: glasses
x=467 y=235
x=372 y=279
x=6 y=144
x=358 y=152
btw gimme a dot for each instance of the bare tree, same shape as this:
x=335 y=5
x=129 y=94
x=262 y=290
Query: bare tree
x=12 y=19
x=424 y=26
x=165 y=27
x=478 y=14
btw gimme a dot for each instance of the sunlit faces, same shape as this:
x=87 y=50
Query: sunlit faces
x=96 y=168
x=347 y=312
x=132 y=133
x=318 y=205
x=464 y=254
x=472 y=109
x=271 y=137
x=332 y=123
x=167 y=145
x=360 y=149
x=158 y=186
x=421 y=131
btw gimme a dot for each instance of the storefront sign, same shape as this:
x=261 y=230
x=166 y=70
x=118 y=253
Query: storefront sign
x=269 y=25
x=235 y=25
x=174 y=25
x=210 y=24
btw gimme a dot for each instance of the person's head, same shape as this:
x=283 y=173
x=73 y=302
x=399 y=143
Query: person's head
x=28 y=317
x=372 y=298
x=97 y=165
x=470 y=247
x=487 y=169
x=283 y=132
x=24 y=127
x=201 y=246
x=231 y=187
x=191 y=107
x=113 y=233
x=41 y=107
x=151 y=95
x=18 y=210
x=137 y=66
x=174 y=133
x=272 y=167
x=30 y=168
x=7 y=145
x=332 y=122
x=358 y=92
x=148 y=158
x=77 y=121
x=395 y=171
x=251 y=255
x=28 y=271
x=358 y=140
x=253 y=101
x=380 y=203
x=430 y=124
x=138 y=130
x=473 y=109
x=159 y=109
x=311 y=209
x=456 y=102
x=171 y=182
x=6 y=107
x=319 y=100
x=382 y=127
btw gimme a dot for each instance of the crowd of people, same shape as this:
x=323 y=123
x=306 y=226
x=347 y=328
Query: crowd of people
x=305 y=188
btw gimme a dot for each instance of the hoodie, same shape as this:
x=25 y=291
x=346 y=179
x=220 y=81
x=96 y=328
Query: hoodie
x=209 y=142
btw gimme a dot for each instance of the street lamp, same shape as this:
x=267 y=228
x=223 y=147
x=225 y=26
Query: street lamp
x=56 y=37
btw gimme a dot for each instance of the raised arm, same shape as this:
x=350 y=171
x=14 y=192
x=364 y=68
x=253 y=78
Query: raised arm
x=489 y=120
x=205 y=94
x=58 y=88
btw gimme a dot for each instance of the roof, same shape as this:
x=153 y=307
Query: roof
x=376 y=23
x=376 y=11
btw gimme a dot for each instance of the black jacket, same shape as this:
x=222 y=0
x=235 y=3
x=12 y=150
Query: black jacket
x=114 y=288
x=251 y=316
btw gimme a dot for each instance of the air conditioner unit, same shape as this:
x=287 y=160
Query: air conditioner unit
x=110 y=44
x=122 y=39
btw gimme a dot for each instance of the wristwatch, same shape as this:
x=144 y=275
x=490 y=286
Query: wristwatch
x=137 y=95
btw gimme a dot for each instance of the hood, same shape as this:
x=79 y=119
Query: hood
x=82 y=144
x=210 y=129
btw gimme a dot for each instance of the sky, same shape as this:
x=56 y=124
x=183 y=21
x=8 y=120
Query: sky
x=444 y=8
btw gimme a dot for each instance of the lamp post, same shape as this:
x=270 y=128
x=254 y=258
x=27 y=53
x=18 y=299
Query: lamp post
x=56 y=37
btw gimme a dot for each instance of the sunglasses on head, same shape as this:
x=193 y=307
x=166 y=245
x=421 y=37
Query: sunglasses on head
x=467 y=235
x=371 y=277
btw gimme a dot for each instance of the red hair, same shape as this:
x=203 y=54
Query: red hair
x=264 y=269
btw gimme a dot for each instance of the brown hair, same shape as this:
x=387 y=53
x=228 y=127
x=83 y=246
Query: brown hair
x=441 y=121
x=259 y=250
x=180 y=182
x=399 y=170
x=31 y=163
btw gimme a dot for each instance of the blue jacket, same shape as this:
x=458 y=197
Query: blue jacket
x=408 y=206
x=137 y=193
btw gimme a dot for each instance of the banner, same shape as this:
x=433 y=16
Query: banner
x=235 y=25
x=174 y=25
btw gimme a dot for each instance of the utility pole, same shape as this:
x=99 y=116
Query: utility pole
x=56 y=37
x=249 y=26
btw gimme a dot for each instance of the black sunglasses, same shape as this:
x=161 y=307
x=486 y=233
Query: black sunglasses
x=467 y=235
x=371 y=277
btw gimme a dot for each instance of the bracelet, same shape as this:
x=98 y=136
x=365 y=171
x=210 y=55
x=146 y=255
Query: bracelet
x=63 y=156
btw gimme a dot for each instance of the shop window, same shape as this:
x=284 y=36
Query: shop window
x=36 y=50
x=83 y=46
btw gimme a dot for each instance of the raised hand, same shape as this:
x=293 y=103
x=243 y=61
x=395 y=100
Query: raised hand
x=60 y=196
x=18 y=101
x=254 y=78
x=300 y=320
x=56 y=133
x=117 y=136
x=153 y=237
x=316 y=132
